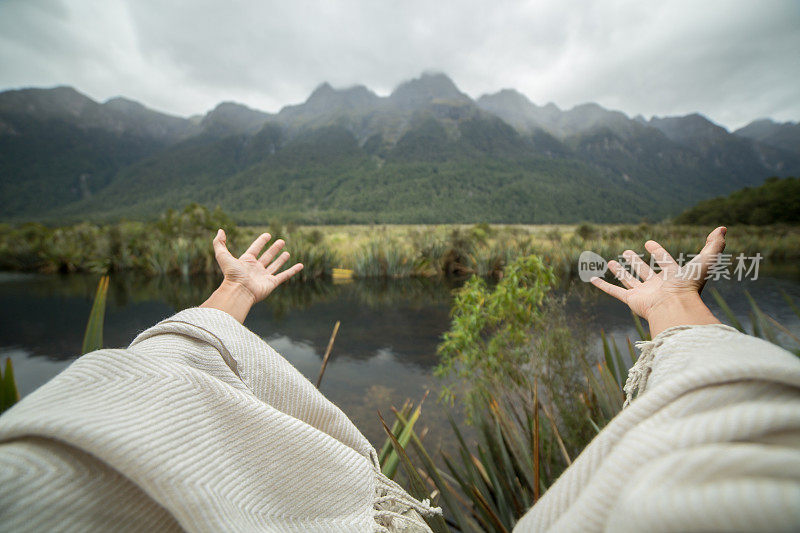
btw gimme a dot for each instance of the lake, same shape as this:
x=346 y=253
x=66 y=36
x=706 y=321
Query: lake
x=384 y=353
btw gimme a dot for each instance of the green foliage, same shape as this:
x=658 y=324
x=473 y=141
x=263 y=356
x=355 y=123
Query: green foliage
x=491 y=331
x=179 y=242
x=382 y=259
x=66 y=158
x=526 y=438
x=318 y=261
x=586 y=231
x=520 y=451
x=429 y=176
x=50 y=163
x=777 y=201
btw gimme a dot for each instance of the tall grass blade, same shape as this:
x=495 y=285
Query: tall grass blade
x=93 y=337
x=762 y=317
x=327 y=353
x=727 y=310
x=396 y=427
x=607 y=353
x=492 y=514
x=445 y=489
x=791 y=303
x=621 y=369
x=645 y=336
x=389 y=467
x=416 y=485
x=535 y=441
x=9 y=395
x=557 y=434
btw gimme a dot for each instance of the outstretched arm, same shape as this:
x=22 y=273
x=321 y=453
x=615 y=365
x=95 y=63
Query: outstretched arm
x=671 y=297
x=250 y=278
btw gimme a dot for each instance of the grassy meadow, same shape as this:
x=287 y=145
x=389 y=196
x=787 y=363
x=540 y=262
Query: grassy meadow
x=180 y=243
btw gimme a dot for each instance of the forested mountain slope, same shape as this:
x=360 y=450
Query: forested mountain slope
x=425 y=153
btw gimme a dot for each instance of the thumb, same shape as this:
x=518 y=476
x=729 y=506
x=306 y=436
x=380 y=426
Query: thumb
x=220 y=246
x=715 y=245
x=709 y=255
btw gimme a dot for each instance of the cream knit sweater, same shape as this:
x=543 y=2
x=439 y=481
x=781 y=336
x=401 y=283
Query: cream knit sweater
x=712 y=443
x=198 y=425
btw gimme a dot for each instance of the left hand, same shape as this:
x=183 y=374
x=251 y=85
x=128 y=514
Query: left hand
x=259 y=276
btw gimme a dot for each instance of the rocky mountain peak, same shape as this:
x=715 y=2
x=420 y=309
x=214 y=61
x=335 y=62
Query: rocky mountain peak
x=351 y=97
x=61 y=101
x=689 y=128
x=784 y=135
x=124 y=105
x=230 y=118
x=425 y=89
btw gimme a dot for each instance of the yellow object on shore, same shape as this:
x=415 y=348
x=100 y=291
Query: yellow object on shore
x=342 y=274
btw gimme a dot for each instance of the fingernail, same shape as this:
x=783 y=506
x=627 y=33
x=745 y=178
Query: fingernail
x=724 y=230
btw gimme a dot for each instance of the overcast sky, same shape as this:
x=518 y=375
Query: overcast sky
x=732 y=60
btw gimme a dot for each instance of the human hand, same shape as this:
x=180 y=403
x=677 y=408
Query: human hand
x=672 y=296
x=259 y=275
x=250 y=278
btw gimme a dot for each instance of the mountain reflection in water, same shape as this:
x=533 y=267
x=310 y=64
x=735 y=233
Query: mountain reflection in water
x=384 y=353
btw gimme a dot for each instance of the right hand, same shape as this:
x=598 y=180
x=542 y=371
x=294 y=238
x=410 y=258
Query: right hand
x=654 y=296
x=258 y=275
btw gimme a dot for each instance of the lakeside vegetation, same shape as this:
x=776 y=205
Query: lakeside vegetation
x=777 y=201
x=179 y=243
x=530 y=393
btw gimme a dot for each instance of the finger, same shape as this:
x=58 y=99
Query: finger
x=638 y=266
x=288 y=273
x=614 y=290
x=715 y=245
x=258 y=244
x=278 y=263
x=623 y=275
x=220 y=246
x=662 y=257
x=267 y=257
x=708 y=256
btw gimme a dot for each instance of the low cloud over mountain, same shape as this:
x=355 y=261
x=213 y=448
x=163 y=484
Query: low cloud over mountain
x=426 y=152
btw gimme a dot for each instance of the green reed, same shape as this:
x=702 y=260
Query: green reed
x=530 y=428
x=179 y=243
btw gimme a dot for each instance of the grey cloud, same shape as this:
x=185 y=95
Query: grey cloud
x=731 y=60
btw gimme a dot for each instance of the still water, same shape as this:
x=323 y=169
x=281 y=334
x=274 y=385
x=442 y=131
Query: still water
x=384 y=353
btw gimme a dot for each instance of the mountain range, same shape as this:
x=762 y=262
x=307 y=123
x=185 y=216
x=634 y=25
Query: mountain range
x=426 y=153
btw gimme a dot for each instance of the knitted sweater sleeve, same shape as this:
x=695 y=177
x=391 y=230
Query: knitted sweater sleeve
x=710 y=443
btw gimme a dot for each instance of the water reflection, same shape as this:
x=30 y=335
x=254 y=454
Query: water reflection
x=384 y=353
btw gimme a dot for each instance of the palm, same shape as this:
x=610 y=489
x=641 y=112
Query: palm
x=259 y=275
x=646 y=289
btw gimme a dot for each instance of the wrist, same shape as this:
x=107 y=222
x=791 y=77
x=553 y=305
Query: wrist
x=684 y=309
x=232 y=298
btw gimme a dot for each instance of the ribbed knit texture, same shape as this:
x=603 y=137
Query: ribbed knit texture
x=198 y=425
x=711 y=443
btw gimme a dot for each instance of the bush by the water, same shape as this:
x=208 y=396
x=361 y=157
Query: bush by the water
x=179 y=242
x=777 y=201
